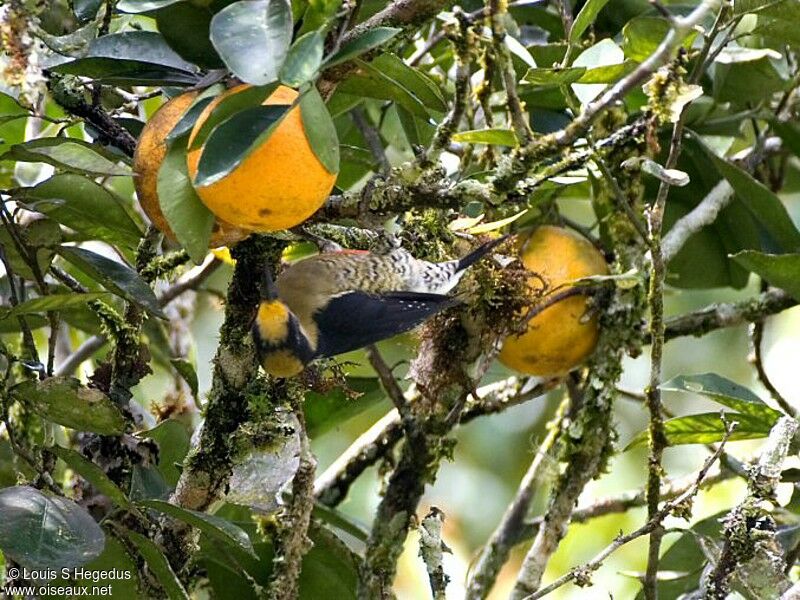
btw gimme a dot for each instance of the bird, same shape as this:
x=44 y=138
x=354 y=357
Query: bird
x=336 y=302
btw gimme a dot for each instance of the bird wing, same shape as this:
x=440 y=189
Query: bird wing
x=356 y=319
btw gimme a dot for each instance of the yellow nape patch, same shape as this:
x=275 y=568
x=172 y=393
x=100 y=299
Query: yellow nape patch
x=273 y=322
x=282 y=363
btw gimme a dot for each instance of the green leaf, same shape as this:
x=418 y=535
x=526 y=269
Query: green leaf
x=643 y=35
x=173 y=446
x=763 y=204
x=48 y=303
x=140 y=6
x=116 y=277
x=228 y=106
x=232 y=141
x=326 y=411
x=411 y=79
x=189 y=118
x=365 y=42
x=39 y=237
x=215 y=527
x=780 y=270
x=85 y=206
x=743 y=7
x=186 y=28
x=158 y=565
x=86 y=10
x=374 y=83
x=789 y=132
x=252 y=37
x=91 y=473
x=132 y=58
x=495 y=136
x=553 y=77
x=69 y=154
x=304 y=59
x=186 y=370
x=585 y=17
x=319 y=129
x=65 y=401
x=687 y=556
x=41 y=532
x=188 y=217
x=707 y=428
x=723 y=391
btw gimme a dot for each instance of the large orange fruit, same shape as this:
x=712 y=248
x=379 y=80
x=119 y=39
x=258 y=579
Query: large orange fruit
x=279 y=185
x=562 y=336
x=150 y=152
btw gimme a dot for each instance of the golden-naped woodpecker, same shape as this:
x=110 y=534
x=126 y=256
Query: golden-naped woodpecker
x=336 y=302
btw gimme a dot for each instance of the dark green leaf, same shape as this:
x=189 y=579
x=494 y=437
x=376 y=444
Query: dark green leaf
x=724 y=391
x=708 y=428
x=148 y=483
x=132 y=58
x=69 y=154
x=763 y=204
x=158 y=565
x=228 y=106
x=187 y=216
x=585 y=17
x=87 y=207
x=114 y=276
x=215 y=527
x=374 y=83
x=413 y=80
x=189 y=118
x=186 y=27
x=65 y=401
x=40 y=531
x=51 y=302
x=143 y=46
x=252 y=37
x=780 y=270
x=91 y=473
x=173 y=445
x=496 y=136
x=303 y=61
x=339 y=520
x=789 y=133
x=365 y=42
x=233 y=141
x=186 y=370
x=125 y=72
x=703 y=262
x=319 y=129
x=553 y=77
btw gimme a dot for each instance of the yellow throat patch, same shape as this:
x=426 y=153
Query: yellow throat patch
x=273 y=322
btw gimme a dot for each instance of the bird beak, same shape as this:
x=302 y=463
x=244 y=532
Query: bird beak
x=269 y=291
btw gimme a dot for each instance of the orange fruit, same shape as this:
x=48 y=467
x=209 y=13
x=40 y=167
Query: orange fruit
x=279 y=185
x=150 y=152
x=561 y=336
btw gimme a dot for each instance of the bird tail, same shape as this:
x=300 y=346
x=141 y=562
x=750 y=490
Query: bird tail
x=467 y=261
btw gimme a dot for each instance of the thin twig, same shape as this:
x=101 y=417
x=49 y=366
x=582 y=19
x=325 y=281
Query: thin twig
x=495 y=552
x=583 y=572
x=372 y=138
x=432 y=549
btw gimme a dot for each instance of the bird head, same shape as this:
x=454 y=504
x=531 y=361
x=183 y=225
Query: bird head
x=283 y=347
